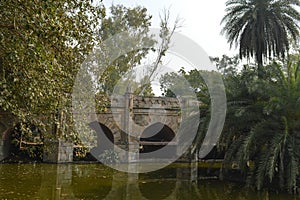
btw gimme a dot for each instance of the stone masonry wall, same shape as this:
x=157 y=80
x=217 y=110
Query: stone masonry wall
x=144 y=112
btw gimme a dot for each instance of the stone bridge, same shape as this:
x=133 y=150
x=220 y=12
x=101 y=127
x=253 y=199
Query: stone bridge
x=133 y=123
x=137 y=124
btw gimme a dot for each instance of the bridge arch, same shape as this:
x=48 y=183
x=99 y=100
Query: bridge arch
x=155 y=137
x=105 y=138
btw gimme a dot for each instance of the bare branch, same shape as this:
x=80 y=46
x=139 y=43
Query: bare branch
x=166 y=34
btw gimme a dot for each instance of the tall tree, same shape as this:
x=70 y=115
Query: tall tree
x=42 y=44
x=261 y=28
x=135 y=23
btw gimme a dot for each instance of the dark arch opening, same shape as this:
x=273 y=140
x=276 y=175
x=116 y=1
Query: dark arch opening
x=105 y=138
x=155 y=137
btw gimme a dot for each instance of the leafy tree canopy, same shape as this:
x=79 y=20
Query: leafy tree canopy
x=42 y=44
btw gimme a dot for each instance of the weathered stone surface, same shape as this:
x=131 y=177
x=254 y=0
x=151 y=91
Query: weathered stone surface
x=133 y=114
x=58 y=151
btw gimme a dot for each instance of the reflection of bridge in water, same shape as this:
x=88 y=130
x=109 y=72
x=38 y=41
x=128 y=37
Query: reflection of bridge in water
x=96 y=181
x=89 y=181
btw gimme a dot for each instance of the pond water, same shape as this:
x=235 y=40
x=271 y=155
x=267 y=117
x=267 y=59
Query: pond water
x=96 y=181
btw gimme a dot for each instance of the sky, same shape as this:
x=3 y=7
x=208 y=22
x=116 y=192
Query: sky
x=201 y=20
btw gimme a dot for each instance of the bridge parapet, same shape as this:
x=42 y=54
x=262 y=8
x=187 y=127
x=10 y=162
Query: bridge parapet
x=167 y=103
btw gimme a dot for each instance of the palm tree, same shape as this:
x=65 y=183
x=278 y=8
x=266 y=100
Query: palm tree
x=271 y=136
x=261 y=28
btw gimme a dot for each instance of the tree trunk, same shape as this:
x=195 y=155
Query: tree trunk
x=260 y=73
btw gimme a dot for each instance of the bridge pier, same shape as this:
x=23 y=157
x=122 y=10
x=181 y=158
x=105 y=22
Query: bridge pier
x=128 y=127
x=58 y=151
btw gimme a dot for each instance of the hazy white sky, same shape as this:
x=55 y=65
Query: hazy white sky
x=201 y=20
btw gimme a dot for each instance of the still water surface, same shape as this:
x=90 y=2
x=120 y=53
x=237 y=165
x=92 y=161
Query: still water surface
x=95 y=181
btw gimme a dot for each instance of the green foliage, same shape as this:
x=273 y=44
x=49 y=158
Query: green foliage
x=226 y=65
x=181 y=83
x=194 y=82
x=135 y=23
x=80 y=152
x=261 y=28
x=42 y=44
x=263 y=126
x=27 y=142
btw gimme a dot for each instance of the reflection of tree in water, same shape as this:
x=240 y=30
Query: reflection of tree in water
x=96 y=181
x=218 y=190
x=17 y=182
x=91 y=181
